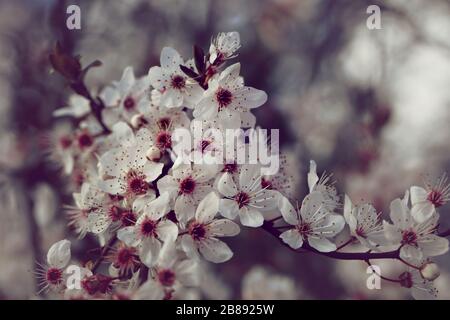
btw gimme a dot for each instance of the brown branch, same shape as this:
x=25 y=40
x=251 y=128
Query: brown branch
x=103 y=254
x=364 y=256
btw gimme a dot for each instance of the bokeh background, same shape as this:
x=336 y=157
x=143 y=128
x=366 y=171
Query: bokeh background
x=371 y=106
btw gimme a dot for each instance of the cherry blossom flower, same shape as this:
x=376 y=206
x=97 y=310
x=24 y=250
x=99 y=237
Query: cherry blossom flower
x=176 y=88
x=417 y=240
x=128 y=170
x=157 y=125
x=88 y=201
x=224 y=47
x=127 y=95
x=202 y=232
x=52 y=276
x=260 y=284
x=324 y=185
x=421 y=288
x=365 y=223
x=78 y=107
x=313 y=223
x=424 y=201
x=247 y=198
x=187 y=185
x=228 y=100
x=170 y=273
x=150 y=230
x=124 y=260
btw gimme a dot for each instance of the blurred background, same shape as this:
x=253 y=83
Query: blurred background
x=371 y=106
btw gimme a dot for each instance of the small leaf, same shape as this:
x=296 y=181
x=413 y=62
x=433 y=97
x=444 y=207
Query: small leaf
x=189 y=72
x=68 y=66
x=199 y=58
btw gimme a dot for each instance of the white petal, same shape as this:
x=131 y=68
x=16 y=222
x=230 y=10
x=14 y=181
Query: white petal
x=290 y=215
x=128 y=236
x=399 y=214
x=433 y=245
x=215 y=250
x=156 y=78
x=223 y=228
x=248 y=119
x=322 y=244
x=126 y=82
x=226 y=185
x=184 y=208
x=168 y=184
x=187 y=273
x=417 y=194
x=159 y=207
x=207 y=208
x=292 y=238
x=149 y=251
x=150 y=290
x=251 y=217
x=170 y=59
x=58 y=255
x=112 y=186
x=167 y=231
x=123 y=134
x=189 y=247
x=98 y=223
x=250 y=98
x=422 y=211
x=228 y=208
x=410 y=252
x=248 y=176
x=312 y=175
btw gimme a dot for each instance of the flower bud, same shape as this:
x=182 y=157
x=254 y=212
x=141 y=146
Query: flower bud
x=153 y=154
x=138 y=121
x=429 y=271
x=406 y=280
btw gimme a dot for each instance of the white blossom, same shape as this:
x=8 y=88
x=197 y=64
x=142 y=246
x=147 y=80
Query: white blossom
x=176 y=88
x=202 y=232
x=313 y=223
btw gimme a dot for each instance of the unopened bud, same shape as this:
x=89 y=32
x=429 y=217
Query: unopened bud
x=430 y=271
x=138 y=121
x=406 y=279
x=153 y=154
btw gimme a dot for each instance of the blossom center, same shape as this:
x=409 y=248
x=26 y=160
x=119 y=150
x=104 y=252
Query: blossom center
x=164 y=140
x=164 y=123
x=204 y=144
x=266 y=184
x=409 y=237
x=304 y=229
x=178 y=82
x=436 y=198
x=166 y=277
x=54 y=276
x=360 y=232
x=129 y=103
x=230 y=168
x=187 y=186
x=114 y=213
x=65 y=142
x=242 y=199
x=197 y=231
x=85 y=140
x=136 y=183
x=128 y=218
x=224 y=97
x=148 y=228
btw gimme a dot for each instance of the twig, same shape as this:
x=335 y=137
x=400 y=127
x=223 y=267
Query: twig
x=103 y=254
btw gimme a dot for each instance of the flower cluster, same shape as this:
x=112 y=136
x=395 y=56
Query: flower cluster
x=156 y=217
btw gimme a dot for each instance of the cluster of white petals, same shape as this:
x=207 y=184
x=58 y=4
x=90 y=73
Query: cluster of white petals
x=157 y=217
